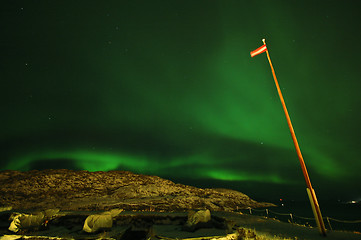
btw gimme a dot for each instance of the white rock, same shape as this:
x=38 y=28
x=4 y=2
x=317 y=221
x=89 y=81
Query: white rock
x=23 y=221
x=97 y=221
x=197 y=217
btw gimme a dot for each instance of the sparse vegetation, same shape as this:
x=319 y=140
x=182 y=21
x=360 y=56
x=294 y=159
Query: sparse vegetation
x=83 y=190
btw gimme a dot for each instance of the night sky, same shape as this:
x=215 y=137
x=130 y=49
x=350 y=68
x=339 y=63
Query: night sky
x=168 y=88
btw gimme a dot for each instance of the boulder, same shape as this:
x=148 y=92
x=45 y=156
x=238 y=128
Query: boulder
x=96 y=222
x=199 y=219
x=22 y=221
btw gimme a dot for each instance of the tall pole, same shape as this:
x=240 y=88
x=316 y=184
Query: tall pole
x=311 y=193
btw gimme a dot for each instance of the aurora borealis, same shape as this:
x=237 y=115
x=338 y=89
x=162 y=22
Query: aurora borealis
x=168 y=88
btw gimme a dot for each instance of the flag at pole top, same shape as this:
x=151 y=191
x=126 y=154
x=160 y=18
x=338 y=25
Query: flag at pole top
x=259 y=50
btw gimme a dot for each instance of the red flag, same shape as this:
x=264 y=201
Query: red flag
x=259 y=50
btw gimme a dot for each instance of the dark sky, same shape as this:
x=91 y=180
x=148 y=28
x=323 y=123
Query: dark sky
x=168 y=88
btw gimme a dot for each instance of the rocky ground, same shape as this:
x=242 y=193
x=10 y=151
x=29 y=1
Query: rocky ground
x=163 y=209
x=94 y=191
x=143 y=225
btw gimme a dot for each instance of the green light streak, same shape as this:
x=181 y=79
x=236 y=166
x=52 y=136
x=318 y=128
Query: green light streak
x=230 y=175
x=325 y=165
x=86 y=160
x=201 y=166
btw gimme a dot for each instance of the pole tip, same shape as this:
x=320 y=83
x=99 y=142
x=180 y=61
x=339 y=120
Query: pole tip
x=264 y=41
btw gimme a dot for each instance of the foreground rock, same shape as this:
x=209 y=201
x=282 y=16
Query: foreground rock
x=95 y=222
x=168 y=226
x=196 y=220
x=83 y=190
x=130 y=226
x=31 y=221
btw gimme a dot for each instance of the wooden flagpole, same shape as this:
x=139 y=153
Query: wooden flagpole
x=311 y=193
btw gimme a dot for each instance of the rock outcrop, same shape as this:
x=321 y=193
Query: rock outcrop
x=83 y=190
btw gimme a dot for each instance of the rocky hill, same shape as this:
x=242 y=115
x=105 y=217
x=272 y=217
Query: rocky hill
x=83 y=190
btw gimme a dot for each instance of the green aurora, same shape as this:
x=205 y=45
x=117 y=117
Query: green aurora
x=168 y=88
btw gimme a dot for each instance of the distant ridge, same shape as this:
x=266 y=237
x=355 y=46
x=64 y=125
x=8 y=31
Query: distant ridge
x=92 y=191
